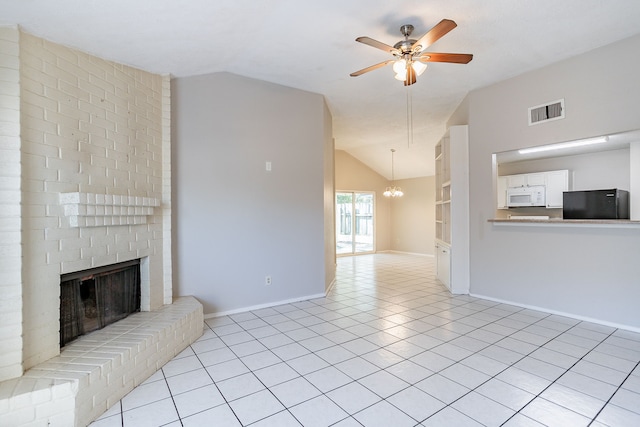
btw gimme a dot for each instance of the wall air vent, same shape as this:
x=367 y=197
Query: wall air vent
x=546 y=112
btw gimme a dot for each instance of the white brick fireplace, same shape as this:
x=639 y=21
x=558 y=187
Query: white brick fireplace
x=85 y=181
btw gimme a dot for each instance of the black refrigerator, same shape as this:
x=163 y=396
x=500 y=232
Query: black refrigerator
x=595 y=204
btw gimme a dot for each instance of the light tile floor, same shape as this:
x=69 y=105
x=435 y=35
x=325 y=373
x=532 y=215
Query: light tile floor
x=391 y=347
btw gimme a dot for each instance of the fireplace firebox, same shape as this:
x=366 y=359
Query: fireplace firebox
x=93 y=299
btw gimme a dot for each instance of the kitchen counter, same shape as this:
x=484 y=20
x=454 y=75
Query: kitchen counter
x=558 y=222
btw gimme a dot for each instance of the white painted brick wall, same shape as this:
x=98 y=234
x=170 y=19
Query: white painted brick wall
x=11 y=343
x=74 y=123
x=91 y=126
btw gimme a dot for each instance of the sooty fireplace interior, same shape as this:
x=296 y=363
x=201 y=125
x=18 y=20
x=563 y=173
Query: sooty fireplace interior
x=93 y=299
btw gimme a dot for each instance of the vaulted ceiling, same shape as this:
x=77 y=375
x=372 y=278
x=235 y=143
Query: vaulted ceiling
x=311 y=46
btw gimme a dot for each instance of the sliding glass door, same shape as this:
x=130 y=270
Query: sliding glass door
x=354 y=223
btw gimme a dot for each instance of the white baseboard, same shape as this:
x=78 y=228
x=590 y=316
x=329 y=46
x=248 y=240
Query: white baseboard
x=261 y=306
x=560 y=313
x=409 y=253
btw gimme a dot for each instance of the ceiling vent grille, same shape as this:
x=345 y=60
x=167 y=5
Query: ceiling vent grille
x=546 y=112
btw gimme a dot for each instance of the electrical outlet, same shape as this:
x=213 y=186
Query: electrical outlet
x=267 y=280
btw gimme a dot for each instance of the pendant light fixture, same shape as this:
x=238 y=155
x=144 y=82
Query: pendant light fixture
x=393 y=191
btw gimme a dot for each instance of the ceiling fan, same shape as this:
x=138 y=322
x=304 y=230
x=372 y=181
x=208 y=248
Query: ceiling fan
x=410 y=56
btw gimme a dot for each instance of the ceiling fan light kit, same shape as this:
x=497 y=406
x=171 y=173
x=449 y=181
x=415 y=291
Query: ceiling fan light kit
x=408 y=70
x=409 y=54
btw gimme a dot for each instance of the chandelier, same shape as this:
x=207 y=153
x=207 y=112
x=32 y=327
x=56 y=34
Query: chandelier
x=393 y=191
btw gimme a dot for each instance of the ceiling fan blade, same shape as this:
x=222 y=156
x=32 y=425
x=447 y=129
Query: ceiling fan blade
x=433 y=35
x=371 y=68
x=456 y=58
x=378 y=45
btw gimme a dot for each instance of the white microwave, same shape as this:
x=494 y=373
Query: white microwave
x=526 y=196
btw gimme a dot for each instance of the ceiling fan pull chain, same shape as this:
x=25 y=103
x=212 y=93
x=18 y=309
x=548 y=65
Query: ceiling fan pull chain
x=409 y=118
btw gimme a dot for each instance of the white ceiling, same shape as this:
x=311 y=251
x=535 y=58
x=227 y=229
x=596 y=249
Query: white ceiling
x=311 y=46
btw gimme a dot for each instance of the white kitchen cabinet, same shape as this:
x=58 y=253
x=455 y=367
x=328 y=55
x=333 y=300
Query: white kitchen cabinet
x=556 y=182
x=516 y=180
x=525 y=180
x=535 y=179
x=452 y=209
x=502 y=192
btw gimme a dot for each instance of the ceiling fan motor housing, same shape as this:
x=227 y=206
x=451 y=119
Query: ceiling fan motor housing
x=405 y=45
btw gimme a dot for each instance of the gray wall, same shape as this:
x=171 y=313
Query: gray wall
x=235 y=222
x=582 y=271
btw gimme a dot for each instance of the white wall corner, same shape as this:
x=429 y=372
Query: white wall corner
x=166 y=191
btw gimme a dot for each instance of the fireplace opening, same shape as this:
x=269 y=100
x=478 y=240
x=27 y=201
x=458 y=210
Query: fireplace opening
x=93 y=299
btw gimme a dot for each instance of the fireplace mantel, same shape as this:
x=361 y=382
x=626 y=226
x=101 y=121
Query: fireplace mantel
x=96 y=210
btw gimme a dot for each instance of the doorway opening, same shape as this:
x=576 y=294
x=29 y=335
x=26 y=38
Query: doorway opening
x=354 y=223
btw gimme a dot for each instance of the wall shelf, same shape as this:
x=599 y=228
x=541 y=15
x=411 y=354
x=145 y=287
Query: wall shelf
x=452 y=209
x=95 y=210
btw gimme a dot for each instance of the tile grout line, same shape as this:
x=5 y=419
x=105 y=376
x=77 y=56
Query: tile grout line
x=541 y=346
x=164 y=378
x=614 y=393
x=330 y=364
x=495 y=375
x=213 y=382
x=455 y=362
x=566 y=370
x=522 y=358
x=261 y=382
x=476 y=352
x=513 y=364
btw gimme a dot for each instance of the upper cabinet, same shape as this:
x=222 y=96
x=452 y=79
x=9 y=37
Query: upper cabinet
x=525 y=180
x=555 y=183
